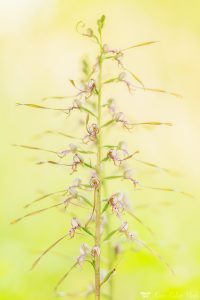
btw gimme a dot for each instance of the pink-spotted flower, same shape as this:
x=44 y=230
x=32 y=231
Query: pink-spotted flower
x=92 y=130
x=94 y=181
x=72 y=149
x=122 y=77
x=95 y=251
x=117 y=204
x=77 y=160
x=128 y=175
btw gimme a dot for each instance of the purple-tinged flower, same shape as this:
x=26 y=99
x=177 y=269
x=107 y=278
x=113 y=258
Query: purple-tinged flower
x=94 y=181
x=72 y=149
x=92 y=130
x=95 y=251
x=128 y=175
x=77 y=160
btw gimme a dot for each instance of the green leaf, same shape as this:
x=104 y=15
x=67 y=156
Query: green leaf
x=86 y=200
x=135 y=77
x=110 y=235
x=105 y=207
x=34 y=148
x=108 y=123
x=47 y=250
x=113 y=177
x=72 y=82
x=111 y=80
x=108 y=275
x=139 y=45
x=44 y=197
x=162 y=91
x=87 y=231
x=153 y=123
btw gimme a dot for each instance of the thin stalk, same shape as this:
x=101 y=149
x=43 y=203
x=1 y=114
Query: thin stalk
x=98 y=194
x=109 y=248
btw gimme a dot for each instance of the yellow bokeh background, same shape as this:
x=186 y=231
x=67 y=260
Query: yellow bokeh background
x=40 y=50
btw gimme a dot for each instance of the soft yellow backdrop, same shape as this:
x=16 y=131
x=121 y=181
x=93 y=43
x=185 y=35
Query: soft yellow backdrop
x=40 y=50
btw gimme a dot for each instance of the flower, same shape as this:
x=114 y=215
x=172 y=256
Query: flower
x=72 y=149
x=84 y=251
x=95 y=251
x=94 y=181
x=77 y=160
x=75 y=225
x=116 y=202
x=124 y=227
x=92 y=130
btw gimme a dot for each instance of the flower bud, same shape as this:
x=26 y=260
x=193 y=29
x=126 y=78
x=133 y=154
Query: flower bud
x=91 y=84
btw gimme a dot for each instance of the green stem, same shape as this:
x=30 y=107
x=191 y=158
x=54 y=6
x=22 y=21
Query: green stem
x=98 y=194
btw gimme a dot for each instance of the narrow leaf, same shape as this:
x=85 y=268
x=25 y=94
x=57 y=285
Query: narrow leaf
x=110 y=235
x=87 y=231
x=139 y=221
x=65 y=276
x=43 y=197
x=34 y=148
x=35 y=213
x=105 y=207
x=107 y=277
x=47 y=250
x=140 y=45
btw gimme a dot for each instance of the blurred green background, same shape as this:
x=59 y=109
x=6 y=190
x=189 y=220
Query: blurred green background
x=40 y=50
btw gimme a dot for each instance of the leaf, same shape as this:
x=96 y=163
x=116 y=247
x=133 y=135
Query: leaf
x=88 y=111
x=139 y=45
x=34 y=213
x=152 y=165
x=162 y=91
x=156 y=254
x=87 y=231
x=72 y=82
x=139 y=221
x=40 y=106
x=87 y=119
x=47 y=250
x=135 y=77
x=111 y=80
x=169 y=190
x=86 y=200
x=43 y=197
x=110 y=235
x=56 y=132
x=105 y=207
x=153 y=123
x=65 y=276
x=34 y=148
x=57 y=98
x=107 y=277
x=113 y=177
x=108 y=123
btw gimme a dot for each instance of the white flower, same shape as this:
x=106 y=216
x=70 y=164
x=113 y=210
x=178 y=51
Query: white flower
x=75 y=223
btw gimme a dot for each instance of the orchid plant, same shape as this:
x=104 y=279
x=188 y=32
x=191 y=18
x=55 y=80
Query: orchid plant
x=94 y=193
